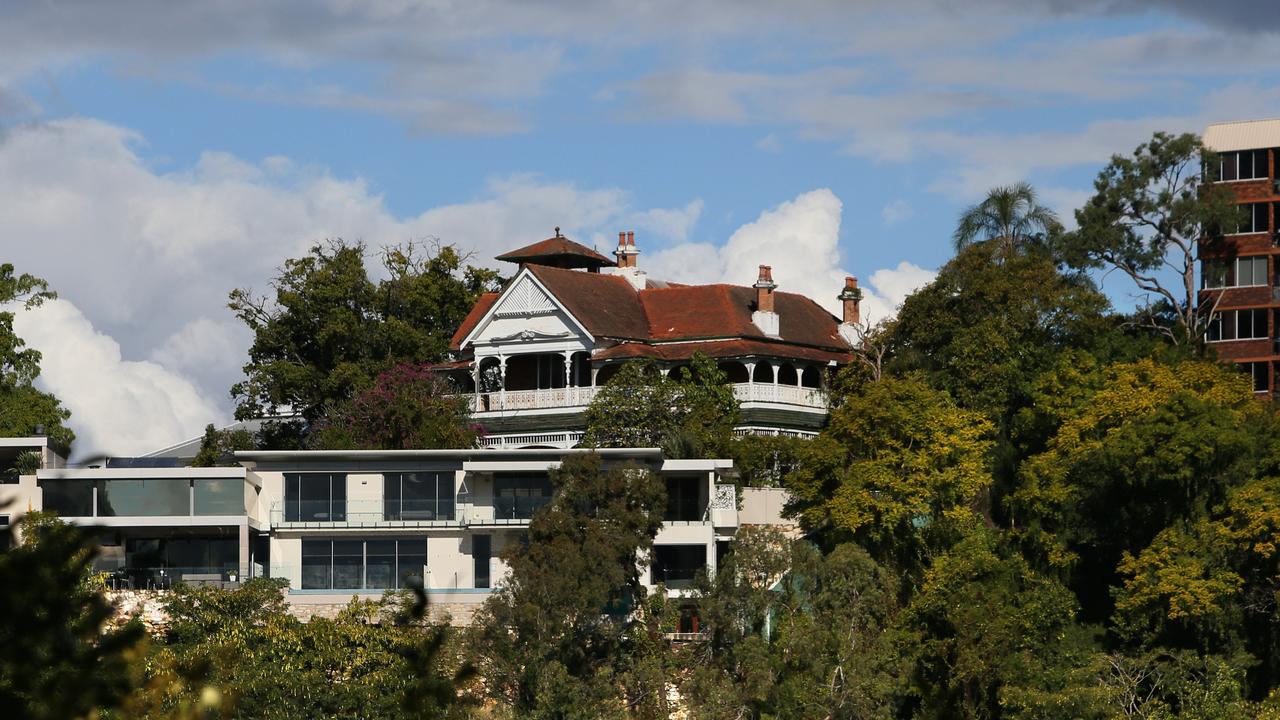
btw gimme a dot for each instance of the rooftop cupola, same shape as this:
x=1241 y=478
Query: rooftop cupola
x=558 y=251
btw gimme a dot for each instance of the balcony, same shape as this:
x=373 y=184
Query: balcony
x=579 y=397
x=470 y=510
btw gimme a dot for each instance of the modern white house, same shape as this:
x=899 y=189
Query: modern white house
x=533 y=355
x=342 y=523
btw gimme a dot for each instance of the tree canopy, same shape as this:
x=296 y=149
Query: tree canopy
x=23 y=408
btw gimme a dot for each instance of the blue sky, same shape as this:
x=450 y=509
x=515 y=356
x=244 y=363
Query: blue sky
x=155 y=155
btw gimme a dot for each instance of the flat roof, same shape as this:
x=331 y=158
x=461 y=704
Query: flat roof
x=24 y=442
x=450 y=454
x=1243 y=135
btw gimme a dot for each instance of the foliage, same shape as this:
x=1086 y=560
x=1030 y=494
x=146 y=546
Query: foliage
x=408 y=406
x=329 y=329
x=791 y=634
x=1011 y=216
x=218 y=447
x=23 y=408
x=766 y=460
x=547 y=647
x=896 y=468
x=689 y=417
x=56 y=661
x=1149 y=214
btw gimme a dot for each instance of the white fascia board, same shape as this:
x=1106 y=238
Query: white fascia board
x=696 y=465
x=35 y=441
x=493 y=309
x=162 y=521
x=182 y=473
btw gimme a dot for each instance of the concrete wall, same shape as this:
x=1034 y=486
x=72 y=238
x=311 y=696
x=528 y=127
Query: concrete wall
x=763 y=506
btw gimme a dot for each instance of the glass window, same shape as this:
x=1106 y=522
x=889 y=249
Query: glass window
x=480 y=552
x=519 y=496
x=411 y=558
x=144 y=498
x=1251 y=271
x=1258 y=371
x=68 y=498
x=315 y=497
x=1213 y=273
x=677 y=565
x=683 y=498
x=1229 y=166
x=1251 y=324
x=418 y=496
x=220 y=496
x=6 y=534
x=348 y=564
x=380 y=564
x=317 y=564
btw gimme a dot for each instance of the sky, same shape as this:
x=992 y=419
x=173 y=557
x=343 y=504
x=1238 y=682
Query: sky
x=155 y=155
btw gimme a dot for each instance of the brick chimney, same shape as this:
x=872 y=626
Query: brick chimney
x=626 y=252
x=764 y=316
x=850 y=298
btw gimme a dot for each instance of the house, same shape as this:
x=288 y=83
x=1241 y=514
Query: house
x=1239 y=273
x=357 y=522
x=533 y=355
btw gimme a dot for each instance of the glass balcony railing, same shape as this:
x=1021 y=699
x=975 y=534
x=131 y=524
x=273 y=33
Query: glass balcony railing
x=466 y=510
x=164 y=578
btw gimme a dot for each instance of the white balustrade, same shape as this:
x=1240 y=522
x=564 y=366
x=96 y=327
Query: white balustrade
x=570 y=397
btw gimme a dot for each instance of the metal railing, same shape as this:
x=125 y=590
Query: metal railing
x=164 y=578
x=467 y=510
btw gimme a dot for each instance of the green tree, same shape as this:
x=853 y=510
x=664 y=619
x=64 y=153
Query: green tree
x=1011 y=216
x=1148 y=216
x=329 y=329
x=640 y=406
x=23 y=408
x=408 y=406
x=547 y=645
x=56 y=659
x=218 y=447
x=896 y=468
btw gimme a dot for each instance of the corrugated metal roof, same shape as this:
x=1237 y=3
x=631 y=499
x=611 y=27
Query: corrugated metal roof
x=1243 y=135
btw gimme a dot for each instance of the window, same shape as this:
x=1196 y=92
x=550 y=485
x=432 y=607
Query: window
x=144 y=498
x=6 y=534
x=1242 y=165
x=218 y=496
x=518 y=496
x=481 y=550
x=1237 y=325
x=683 y=498
x=1253 y=219
x=677 y=565
x=418 y=496
x=68 y=498
x=315 y=497
x=1233 y=272
x=374 y=564
x=1258 y=371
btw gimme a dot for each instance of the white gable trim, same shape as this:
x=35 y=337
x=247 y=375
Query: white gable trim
x=520 y=292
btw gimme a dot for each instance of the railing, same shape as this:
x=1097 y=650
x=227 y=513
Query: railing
x=164 y=578
x=558 y=439
x=468 y=510
x=784 y=394
x=513 y=400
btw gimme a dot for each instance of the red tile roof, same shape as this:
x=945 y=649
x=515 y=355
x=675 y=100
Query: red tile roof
x=607 y=305
x=719 y=349
x=558 y=246
x=483 y=303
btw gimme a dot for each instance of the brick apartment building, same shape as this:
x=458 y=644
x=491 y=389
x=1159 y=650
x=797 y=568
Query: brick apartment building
x=1242 y=271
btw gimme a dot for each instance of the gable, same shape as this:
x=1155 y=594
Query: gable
x=524 y=311
x=524 y=299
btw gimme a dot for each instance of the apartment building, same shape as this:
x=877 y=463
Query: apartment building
x=342 y=523
x=532 y=356
x=1240 y=273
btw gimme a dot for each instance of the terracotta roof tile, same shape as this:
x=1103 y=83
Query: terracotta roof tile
x=719 y=349
x=556 y=246
x=483 y=303
x=607 y=305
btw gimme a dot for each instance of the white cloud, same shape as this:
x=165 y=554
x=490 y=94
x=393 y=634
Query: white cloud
x=799 y=240
x=118 y=406
x=149 y=257
x=769 y=143
x=896 y=211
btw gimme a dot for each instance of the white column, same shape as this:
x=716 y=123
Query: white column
x=502 y=382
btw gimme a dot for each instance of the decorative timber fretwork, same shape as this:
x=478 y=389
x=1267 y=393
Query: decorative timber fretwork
x=527 y=335
x=526 y=299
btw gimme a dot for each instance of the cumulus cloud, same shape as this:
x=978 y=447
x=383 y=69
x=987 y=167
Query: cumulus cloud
x=146 y=258
x=118 y=406
x=799 y=239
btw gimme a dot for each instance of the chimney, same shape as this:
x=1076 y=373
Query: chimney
x=626 y=252
x=850 y=297
x=764 y=317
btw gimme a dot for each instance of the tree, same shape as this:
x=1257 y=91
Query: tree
x=408 y=406
x=1010 y=216
x=547 y=645
x=1148 y=216
x=218 y=447
x=329 y=329
x=640 y=406
x=896 y=469
x=56 y=660
x=23 y=408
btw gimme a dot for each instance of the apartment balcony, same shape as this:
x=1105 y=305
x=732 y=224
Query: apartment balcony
x=470 y=510
x=576 y=398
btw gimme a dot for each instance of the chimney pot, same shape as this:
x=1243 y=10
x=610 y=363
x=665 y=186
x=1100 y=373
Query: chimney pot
x=631 y=238
x=626 y=252
x=850 y=298
x=622 y=239
x=764 y=290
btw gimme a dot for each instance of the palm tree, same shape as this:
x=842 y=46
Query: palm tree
x=1009 y=214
